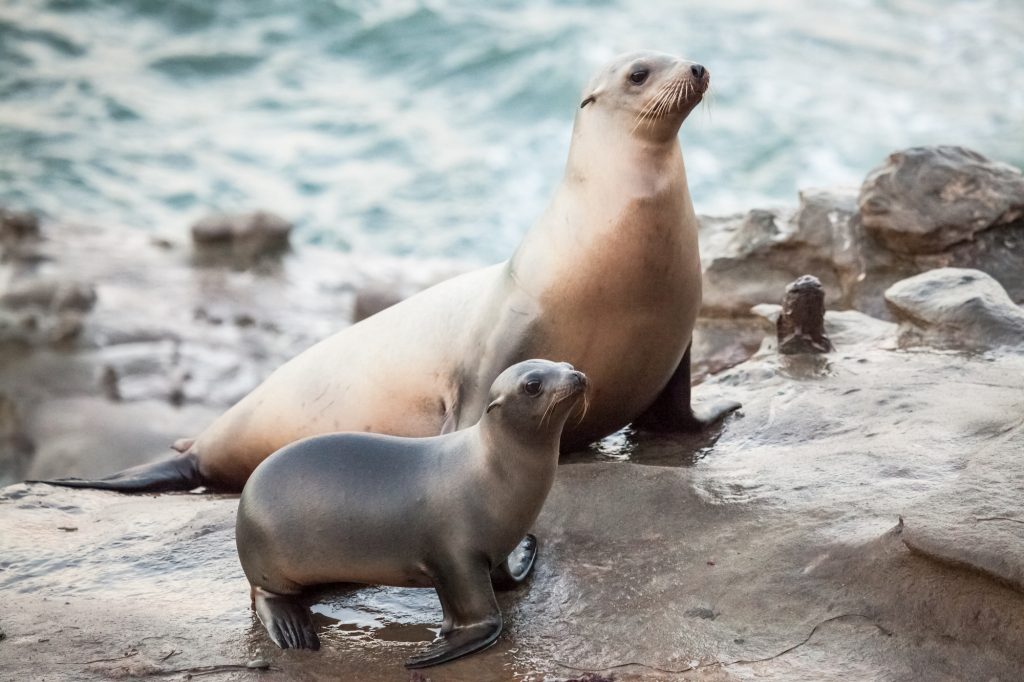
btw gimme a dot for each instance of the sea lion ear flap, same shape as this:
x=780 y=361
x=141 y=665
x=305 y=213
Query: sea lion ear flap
x=589 y=99
x=497 y=402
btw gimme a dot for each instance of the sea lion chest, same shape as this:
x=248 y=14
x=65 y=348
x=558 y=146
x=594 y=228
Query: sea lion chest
x=620 y=305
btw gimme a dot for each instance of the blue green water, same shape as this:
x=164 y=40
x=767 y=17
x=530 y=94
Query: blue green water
x=439 y=128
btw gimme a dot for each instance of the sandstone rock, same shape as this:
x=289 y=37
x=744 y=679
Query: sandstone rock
x=981 y=525
x=998 y=252
x=749 y=259
x=956 y=308
x=253 y=235
x=926 y=199
x=722 y=343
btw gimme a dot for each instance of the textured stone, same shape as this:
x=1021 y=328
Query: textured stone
x=976 y=521
x=956 y=308
x=925 y=199
x=749 y=258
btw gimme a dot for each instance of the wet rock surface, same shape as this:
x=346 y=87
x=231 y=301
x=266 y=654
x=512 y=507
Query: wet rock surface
x=114 y=343
x=775 y=551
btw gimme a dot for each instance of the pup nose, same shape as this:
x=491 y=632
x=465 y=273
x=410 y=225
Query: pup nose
x=698 y=71
x=580 y=378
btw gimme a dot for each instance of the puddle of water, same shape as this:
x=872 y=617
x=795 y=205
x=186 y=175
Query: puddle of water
x=382 y=614
x=652 y=449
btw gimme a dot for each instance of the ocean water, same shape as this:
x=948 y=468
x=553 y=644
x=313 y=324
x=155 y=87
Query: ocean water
x=439 y=128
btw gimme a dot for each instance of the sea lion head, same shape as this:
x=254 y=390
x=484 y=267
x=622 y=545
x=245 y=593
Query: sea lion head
x=650 y=94
x=536 y=395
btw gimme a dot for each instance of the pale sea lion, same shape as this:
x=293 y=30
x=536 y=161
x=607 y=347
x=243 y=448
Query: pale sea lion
x=608 y=278
x=439 y=512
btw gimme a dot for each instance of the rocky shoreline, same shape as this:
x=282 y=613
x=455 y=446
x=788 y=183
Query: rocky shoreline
x=861 y=518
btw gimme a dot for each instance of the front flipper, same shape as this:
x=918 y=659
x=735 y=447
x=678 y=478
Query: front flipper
x=175 y=474
x=472 y=620
x=672 y=410
x=288 y=622
x=513 y=571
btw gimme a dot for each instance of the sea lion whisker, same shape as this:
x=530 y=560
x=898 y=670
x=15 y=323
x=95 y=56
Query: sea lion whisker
x=651 y=110
x=586 y=406
x=646 y=111
x=665 y=97
x=647 y=107
x=656 y=110
x=548 y=410
x=560 y=396
x=708 y=100
x=677 y=88
x=640 y=120
x=544 y=415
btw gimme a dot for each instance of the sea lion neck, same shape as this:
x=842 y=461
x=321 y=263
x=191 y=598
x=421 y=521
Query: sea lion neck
x=515 y=443
x=621 y=199
x=606 y=156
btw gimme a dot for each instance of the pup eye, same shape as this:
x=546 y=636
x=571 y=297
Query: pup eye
x=532 y=387
x=638 y=76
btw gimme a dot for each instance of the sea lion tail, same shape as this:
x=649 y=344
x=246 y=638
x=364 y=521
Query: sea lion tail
x=177 y=473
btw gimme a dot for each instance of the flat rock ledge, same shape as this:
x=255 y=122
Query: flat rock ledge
x=776 y=551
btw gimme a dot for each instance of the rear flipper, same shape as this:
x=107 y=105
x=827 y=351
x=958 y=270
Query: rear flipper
x=177 y=473
x=672 y=411
x=513 y=571
x=287 y=621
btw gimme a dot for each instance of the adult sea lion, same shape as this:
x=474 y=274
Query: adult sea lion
x=608 y=278
x=439 y=512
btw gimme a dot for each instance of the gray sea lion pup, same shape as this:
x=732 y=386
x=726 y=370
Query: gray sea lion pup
x=413 y=512
x=608 y=278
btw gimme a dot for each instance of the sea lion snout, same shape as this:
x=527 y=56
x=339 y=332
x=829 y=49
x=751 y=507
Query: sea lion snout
x=577 y=379
x=581 y=379
x=700 y=78
x=572 y=379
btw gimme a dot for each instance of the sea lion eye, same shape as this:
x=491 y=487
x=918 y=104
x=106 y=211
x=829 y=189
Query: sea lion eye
x=638 y=76
x=532 y=387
